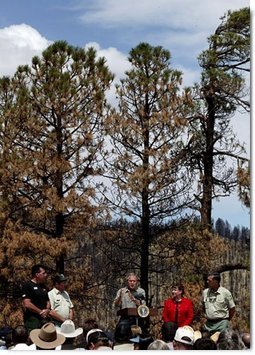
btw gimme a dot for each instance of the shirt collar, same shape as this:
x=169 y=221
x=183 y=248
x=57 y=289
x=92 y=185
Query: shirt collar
x=57 y=291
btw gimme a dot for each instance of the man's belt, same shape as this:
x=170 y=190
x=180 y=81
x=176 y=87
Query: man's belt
x=216 y=320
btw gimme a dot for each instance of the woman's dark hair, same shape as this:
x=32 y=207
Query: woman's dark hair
x=20 y=334
x=204 y=344
x=168 y=330
x=97 y=338
x=179 y=285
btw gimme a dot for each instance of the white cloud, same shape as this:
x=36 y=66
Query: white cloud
x=116 y=61
x=187 y=14
x=19 y=43
x=182 y=27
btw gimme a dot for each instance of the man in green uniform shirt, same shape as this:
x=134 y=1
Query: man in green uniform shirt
x=218 y=305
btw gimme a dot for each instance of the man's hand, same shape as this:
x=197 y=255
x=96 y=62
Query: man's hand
x=44 y=313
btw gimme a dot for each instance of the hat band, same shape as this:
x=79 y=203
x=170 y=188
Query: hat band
x=48 y=337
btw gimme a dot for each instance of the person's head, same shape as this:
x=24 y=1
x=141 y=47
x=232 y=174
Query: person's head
x=158 y=345
x=39 y=273
x=9 y=340
x=97 y=338
x=204 y=344
x=184 y=338
x=213 y=280
x=89 y=324
x=132 y=281
x=20 y=334
x=47 y=337
x=230 y=339
x=59 y=282
x=122 y=332
x=177 y=291
x=136 y=330
x=168 y=330
x=246 y=338
x=141 y=342
x=206 y=333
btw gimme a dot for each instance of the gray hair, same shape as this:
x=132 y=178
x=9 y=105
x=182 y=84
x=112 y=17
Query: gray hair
x=158 y=345
x=132 y=274
x=230 y=339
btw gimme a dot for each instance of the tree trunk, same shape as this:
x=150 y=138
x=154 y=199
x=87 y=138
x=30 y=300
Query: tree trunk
x=206 y=207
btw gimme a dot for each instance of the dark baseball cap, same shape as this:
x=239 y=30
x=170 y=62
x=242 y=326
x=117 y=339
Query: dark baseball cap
x=59 y=278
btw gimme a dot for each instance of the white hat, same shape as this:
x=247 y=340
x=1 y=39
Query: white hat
x=68 y=329
x=184 y=335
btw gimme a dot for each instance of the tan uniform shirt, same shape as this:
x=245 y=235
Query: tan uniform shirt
x=126 y=302
x=217 y=304
x=60 y=302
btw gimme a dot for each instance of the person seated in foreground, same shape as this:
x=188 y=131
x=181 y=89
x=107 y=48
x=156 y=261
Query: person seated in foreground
x=158 y=344
x=204 y=344
x=21 y=340
x=97 y=339
x=47 y=337
x=184 y=338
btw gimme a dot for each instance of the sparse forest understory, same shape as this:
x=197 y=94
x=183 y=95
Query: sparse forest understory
x=110 y=254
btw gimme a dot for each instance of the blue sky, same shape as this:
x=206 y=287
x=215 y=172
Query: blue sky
x=114 y=27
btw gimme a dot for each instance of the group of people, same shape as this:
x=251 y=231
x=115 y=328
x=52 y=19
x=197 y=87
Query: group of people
x=49 y=315
x=41 y=305
x=178 y=311
x=178 y=315
x=217 y=303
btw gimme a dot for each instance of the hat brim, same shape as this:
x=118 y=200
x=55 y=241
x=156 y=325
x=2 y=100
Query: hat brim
x=215 y=336
x=139 y=340
x=74 y=334
x=34 y=335
x=135 y=340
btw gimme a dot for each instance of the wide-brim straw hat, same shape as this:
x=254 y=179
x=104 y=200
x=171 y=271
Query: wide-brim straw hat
x=215 y=336
x=68 y=329
x=47 y=337
x=197 y=335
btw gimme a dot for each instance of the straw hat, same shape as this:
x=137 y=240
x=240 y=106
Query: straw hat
x=47 y=337
x=215 y=336
x=197 y=335
x=68 y=329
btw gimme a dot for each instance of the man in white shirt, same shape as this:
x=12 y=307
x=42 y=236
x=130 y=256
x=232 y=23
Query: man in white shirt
x=61 y=304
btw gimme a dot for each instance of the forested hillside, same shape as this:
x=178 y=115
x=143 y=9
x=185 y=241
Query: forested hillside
x=95 y=190
x=109 y=262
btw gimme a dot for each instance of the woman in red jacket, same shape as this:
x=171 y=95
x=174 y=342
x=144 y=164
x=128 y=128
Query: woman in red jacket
x=178 y=309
